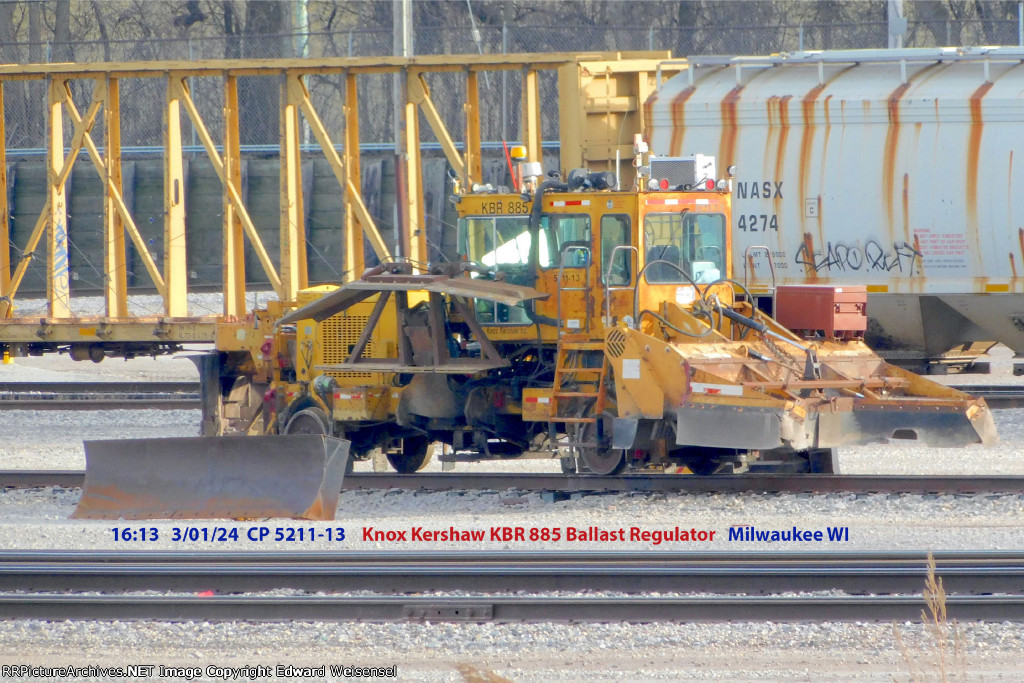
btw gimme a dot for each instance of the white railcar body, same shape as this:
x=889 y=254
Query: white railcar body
x=900 y=170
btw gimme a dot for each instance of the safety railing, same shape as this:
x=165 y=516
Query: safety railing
x=628 y=287
x=771 y=268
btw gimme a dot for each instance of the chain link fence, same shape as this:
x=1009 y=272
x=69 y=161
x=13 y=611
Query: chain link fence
x=143 y=98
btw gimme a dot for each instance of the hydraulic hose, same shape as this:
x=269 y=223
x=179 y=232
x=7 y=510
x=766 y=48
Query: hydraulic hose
x=637 y=313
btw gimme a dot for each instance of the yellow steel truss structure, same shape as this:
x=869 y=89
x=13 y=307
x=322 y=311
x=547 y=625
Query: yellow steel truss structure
x=578 y=98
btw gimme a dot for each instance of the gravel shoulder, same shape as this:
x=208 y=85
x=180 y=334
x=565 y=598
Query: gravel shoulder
x=540 y=652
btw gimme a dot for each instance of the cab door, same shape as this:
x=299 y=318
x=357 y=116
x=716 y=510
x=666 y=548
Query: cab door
x=617 y=268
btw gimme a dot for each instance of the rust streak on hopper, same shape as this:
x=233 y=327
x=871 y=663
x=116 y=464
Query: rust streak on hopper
x=727 y=147
x=973 y=152
x=679 y=118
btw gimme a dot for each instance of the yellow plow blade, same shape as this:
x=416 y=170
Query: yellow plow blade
x=212 y=477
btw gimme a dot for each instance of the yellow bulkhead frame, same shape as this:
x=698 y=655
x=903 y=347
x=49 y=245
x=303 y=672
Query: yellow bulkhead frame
x=590 y=85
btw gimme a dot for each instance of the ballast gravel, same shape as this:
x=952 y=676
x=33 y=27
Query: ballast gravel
x=523 y=652
x=541 y=652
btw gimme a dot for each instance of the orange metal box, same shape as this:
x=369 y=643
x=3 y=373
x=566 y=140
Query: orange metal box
x=834 y=312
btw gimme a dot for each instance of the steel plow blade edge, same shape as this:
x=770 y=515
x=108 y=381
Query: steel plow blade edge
x=213 y=477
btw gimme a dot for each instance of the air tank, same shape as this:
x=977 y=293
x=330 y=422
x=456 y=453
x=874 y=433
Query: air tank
x=894 y=169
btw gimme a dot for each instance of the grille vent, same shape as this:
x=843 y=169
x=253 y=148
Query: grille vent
x=336 y=335
x=616 y=343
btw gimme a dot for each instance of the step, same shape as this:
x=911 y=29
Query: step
x=565 y=371
x=575 y=420
x=581 y=345
x=576 y=394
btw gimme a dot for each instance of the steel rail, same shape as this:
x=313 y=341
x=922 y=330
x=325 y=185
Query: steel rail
x=138 y=387
x=490 y=571
x=94 y=403
x=995 y=395
x=579 y=484
x=184 y=386
x=29 y=479
x=186 y=396
x=501 y=609
x=733 y=483
x=994 y=391
x=99 y=396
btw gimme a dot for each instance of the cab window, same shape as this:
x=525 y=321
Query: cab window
x=692 y=241
x=499 y=242
x=562 y=230
x=496 y=240
x=505 y=240
x=614 y=233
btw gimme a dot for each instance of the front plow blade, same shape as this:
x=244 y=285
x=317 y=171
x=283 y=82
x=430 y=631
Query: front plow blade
x=210 y=477
x=946 y=427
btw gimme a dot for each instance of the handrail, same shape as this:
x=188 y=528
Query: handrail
x=771 y=267
x=608 y=289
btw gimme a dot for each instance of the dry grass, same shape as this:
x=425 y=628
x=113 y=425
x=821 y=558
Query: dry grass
x=943 y=656
x=471 y=674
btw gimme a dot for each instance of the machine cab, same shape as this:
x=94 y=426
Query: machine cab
x=587 y=248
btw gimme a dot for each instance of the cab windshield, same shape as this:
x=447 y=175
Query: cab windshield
x=692 y=241
x=496 y=241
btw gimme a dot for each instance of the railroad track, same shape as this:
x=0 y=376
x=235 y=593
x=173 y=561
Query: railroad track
x=566 y=484
x=996 y=395
x=502 y=609
x=416 y=572
x=186 y=395
x=99 y=395
x=966 y=577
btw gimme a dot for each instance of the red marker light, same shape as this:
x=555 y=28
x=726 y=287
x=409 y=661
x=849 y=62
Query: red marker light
x=709 y=184
x=663 y=184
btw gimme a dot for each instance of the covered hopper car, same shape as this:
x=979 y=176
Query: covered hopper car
x=893 y=169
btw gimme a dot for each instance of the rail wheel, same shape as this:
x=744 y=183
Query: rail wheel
x=307 y=421
x=599 y=459
x=313 y=421
x=414 y=456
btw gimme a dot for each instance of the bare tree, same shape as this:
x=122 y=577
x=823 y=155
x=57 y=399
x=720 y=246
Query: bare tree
x=992 y=14
x=259 y=98
x=232 y=31
x=938 y=16
x=8 y=43
x=35 y=32
x=61 y=51
x=101 y=25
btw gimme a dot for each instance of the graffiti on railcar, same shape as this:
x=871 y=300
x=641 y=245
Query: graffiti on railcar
x=902 y=258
